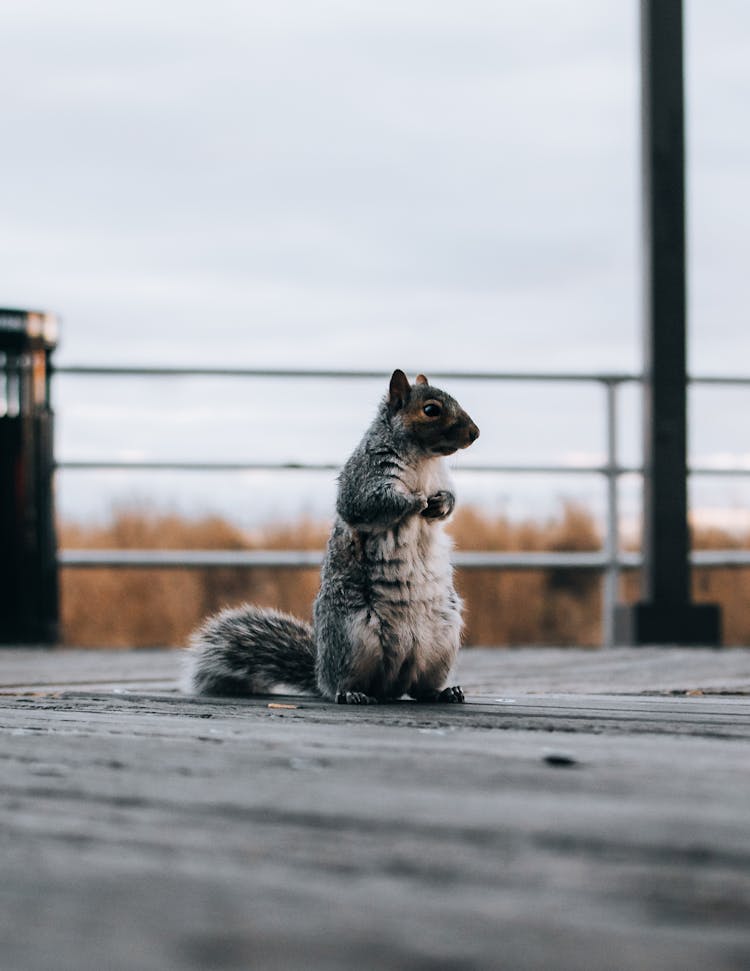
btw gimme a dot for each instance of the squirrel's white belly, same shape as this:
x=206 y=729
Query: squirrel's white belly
x=431 y=476
x=413 y=621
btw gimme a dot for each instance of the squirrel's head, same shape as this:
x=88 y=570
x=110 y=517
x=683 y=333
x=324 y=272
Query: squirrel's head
x=428 y=416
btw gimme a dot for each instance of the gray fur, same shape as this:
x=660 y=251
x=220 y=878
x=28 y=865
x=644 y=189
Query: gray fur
x=387 y=618
x=248 y=650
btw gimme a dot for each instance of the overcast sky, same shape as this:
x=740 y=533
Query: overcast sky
x=361 y=183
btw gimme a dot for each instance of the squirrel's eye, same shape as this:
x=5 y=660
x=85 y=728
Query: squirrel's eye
x=432 y=409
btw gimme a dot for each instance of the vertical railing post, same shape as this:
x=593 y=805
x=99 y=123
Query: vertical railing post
x=611 y=579
x=666 y=614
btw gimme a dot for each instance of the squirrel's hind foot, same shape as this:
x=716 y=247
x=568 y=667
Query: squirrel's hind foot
x=453 y=695
x=355 y=698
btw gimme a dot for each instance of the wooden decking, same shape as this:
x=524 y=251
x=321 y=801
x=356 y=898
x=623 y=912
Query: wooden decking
x=585 y=810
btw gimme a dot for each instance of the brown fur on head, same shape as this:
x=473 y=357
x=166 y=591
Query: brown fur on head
x=429 y=416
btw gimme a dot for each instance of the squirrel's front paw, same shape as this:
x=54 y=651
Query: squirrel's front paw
x=440 y=505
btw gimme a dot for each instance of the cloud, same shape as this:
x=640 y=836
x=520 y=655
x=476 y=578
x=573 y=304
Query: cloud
x=332 y=183
x=322 y=144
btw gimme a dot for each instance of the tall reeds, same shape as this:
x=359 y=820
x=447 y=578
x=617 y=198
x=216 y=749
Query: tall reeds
x=140 y=608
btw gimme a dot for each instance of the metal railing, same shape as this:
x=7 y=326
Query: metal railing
x=610 y=560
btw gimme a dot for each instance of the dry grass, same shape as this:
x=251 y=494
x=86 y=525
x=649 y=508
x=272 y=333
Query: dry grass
x=136 y=607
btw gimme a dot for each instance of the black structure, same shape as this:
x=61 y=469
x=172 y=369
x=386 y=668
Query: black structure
x=666 y=614
x=28 y=549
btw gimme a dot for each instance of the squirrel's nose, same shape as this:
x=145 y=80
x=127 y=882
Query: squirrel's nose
x=473 y=432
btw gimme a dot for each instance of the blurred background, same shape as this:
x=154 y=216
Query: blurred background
x=361 y=185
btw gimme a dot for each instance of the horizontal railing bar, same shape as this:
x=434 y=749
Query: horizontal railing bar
x=95 y=370
x=520 y=560
x=313 y=558
x=128 y=465
x=117 y=465
x=715 y=558
x=101 y=370
x=306 y=559
x=738 y=380
x=189 y=559
x=138 y=466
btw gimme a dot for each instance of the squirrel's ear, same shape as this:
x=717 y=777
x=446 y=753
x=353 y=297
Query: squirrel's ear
x=421 y=379
x=399 y=390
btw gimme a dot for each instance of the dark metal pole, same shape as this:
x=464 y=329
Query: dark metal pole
x=666 y=614
x=29 y=609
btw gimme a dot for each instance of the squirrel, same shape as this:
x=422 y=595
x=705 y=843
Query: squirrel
x=387 y=619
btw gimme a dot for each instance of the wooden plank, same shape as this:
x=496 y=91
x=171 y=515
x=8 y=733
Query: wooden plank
x=703 y=717
x=157 y=832
x=485 y=671
x=613 y=671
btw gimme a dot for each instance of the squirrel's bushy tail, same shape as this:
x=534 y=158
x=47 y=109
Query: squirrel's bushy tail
x=248 y=650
